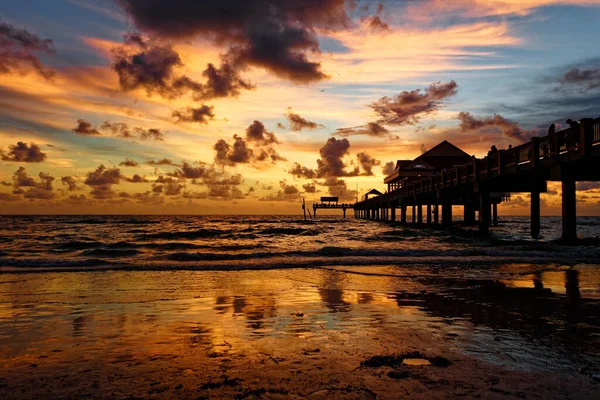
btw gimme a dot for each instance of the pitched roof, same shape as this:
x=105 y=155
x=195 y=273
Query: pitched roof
x=402 y=163
x=444 y=155
x=374 y=191
x=444 y=149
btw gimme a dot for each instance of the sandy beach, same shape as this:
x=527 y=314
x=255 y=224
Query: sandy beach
x=300 y=333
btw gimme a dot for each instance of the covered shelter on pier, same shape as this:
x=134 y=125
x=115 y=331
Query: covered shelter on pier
x=371 y=193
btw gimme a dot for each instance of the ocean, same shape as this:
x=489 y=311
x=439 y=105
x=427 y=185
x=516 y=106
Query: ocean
x=277 y=307
x=82 y=243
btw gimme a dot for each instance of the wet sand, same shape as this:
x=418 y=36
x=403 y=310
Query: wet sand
x=380 y=332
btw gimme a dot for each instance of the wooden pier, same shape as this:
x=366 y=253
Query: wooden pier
x=328 y=203
x=481 y=184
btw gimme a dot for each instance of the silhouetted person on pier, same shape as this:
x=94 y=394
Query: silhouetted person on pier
x=571 y=138
x=552 y=132
x=493 y=150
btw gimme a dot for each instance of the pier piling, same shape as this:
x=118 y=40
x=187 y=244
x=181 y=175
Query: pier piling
x=535 y=213
x=569 y=209
x=484 y=212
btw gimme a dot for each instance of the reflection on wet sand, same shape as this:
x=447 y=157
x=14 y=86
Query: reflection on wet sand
x=189 y=334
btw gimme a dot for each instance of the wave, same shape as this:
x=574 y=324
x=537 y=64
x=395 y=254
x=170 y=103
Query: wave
x=198 y=234
x=77 y=245
x=287 y=231
x=112 y=253
x=452 y=266
x=343 y=253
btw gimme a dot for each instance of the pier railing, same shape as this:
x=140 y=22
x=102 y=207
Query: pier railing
x=557 y=148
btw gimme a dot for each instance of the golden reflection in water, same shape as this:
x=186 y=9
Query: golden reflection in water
x=199 y=325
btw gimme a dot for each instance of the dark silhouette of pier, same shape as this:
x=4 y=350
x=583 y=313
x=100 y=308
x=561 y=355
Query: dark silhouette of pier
x=567 y=156
x=328 y=203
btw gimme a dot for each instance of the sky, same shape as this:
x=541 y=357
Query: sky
x=246 y=107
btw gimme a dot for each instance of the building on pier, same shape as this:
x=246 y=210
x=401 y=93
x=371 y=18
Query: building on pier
x=444 y=156
x=371 y=193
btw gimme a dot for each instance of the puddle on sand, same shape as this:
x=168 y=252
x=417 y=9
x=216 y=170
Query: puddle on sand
x=415 y=361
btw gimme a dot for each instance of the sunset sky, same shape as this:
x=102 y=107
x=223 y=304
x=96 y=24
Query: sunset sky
x=223 y=106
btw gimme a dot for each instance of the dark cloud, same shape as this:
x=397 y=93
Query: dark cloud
x=268 y=154
x=168 y=185
x=122 y=130
x=286 y=193
x=188 y=171
x=309 y=188
x=237 y=153
x=21 y=179
x=586 y=79
x=201 y=114
x=70 y=183
x=297 y=123
x=388 y=168
x=36 y=189
x=163 y=161
x=331 y=163
x=152 y=65
x=118 y=129
x=271 y=34
x=220 y=185
x=221 y=82
x=240 y=151
x=373 y=129
x=367 y=163
x=280 y=125
x=85 y=128
x=38 y=193
x=18 y=48
x=146 y=65
x=136 y=179
x=103 y=176
x=302 y=171
x=407 y=108
x=128 y=162
x=21 y=152
x=511 y=129
x=151 y=133
x=101 y=181
x=257 y=132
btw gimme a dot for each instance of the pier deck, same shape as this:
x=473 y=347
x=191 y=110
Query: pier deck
x=564 y=156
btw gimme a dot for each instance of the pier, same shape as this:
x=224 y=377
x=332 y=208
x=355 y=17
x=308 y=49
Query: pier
x=567 y=156
x=329 y=203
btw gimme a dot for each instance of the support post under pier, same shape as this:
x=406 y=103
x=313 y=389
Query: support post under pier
x=403 y=214
x=569 y=209
x=447 y=213
x=428 y=214
x=484 y=212
x=535 y=213
x=495 y=214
